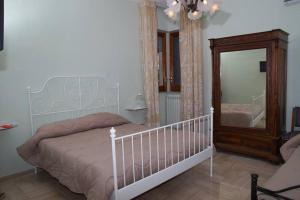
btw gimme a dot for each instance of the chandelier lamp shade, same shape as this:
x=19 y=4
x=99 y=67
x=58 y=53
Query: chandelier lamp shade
x=195 y=8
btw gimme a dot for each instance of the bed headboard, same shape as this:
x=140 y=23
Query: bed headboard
x=65 y=97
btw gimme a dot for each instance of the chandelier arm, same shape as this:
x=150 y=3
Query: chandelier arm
x=184 y=3
x=191 y=6
x=195 y=6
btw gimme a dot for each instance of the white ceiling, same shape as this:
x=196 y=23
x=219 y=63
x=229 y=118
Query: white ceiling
x=160 y=3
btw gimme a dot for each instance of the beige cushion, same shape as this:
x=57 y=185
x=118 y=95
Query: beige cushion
x=289 y=147
x=70 y=126
x=88 y=122
x=287 y=175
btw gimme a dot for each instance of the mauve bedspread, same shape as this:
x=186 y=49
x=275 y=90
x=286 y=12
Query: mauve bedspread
x=239 y=115
x=83 y=161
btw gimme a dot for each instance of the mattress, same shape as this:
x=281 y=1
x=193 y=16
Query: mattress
x=83 y=161
x=239 y=115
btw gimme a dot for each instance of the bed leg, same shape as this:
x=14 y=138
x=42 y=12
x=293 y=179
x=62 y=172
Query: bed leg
x=114 y=161
x=35 y=170
x=211 y=139
x=211 y=166
x=254 y=178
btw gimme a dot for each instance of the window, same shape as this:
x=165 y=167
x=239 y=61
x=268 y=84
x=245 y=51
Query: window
x=174 y=62
x=169 y=61
x=161 y=50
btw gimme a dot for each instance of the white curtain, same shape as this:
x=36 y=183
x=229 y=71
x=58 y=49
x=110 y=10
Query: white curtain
x=191 y=67
x=149 y=58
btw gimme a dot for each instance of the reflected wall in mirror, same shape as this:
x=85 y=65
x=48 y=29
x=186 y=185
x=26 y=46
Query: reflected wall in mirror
x=243 y=88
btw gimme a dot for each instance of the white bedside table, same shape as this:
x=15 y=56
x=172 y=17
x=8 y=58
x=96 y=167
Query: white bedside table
x=137 y=112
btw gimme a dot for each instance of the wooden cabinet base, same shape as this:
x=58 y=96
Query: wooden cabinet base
x=265 y=147
x=276 y=159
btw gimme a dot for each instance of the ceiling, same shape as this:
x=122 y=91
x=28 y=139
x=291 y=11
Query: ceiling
x=161 y=3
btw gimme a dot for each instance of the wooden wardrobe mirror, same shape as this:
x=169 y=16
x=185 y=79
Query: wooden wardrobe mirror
x=249 y=92
x=243 y=84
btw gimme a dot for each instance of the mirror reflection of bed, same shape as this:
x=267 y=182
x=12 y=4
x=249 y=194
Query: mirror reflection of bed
x=243 y=88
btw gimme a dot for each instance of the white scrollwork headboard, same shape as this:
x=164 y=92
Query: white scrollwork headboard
x=65 y=97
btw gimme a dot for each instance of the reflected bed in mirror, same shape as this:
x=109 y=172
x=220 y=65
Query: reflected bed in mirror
x=243 y=87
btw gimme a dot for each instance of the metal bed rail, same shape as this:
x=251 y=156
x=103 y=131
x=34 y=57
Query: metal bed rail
x=164 y=152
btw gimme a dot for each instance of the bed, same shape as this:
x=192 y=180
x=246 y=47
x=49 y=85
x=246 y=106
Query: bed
x=80 y=139
x=244 y=115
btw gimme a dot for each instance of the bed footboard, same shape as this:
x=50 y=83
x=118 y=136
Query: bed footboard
x=159 y=154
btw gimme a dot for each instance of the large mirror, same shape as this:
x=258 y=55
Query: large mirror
x=243 y=88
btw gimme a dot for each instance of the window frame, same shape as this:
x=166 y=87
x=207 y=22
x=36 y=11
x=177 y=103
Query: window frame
x=173 y=86
x=163 y=35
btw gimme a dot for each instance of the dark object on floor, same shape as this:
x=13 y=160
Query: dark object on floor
x=2 y=196
x=295 y=119
x=294 y=124
x=257 y=190
x=285 y=182
x=287 y=136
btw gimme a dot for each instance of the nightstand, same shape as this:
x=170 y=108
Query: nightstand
x=136 y=109
x=138 y=114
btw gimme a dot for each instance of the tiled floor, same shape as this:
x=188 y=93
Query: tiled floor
x=231 y=181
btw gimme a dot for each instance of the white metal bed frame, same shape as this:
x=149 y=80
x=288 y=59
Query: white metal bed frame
x=154 y=179
x=77 y=98
x=79 y=95
x=259 y=101
x=70 y=103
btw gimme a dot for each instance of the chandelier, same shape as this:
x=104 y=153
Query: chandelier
x=195 y=8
